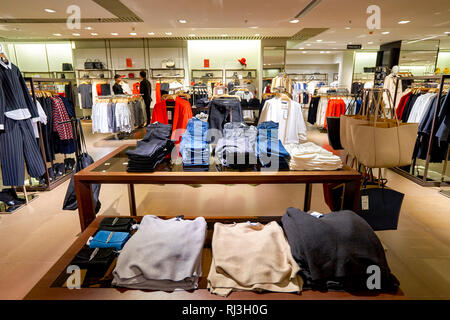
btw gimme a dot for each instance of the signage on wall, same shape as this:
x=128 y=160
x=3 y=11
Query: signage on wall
x=206 y=63
x=354 y=46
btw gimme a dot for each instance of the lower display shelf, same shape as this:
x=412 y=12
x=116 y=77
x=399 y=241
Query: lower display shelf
x=52 y=285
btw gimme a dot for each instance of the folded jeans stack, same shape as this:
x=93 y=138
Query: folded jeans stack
x=269 y=149
x=253 y=257
x=236 y=149
x=162 y=255
x=194 y=146
x=151 y=150
x=309 y=156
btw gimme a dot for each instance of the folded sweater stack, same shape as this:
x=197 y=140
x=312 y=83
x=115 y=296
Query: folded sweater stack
x=309 y=156
x=162 y=255
x=253 y=257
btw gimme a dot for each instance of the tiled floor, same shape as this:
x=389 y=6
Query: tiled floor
x=32 y=239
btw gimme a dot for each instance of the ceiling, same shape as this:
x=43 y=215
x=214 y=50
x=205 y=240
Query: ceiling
x=344 y=21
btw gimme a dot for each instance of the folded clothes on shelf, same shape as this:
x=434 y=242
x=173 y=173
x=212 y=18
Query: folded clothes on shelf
x=336 y=250
x=309 y=156
x=151 y=150
x=269 y=149
x=194 y=146
x=162 y=255
x=236 y=149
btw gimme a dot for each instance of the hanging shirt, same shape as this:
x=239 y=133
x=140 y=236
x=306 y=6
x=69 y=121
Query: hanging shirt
x=42 y=119
x=86 y=95
x=288 y=114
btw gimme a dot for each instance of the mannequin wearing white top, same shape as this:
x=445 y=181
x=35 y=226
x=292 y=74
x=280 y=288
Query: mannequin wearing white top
x=389 y=84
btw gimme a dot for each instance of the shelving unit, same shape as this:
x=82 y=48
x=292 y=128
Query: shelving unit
x=109 y=76
x=247 y=74
x=162 y=73
x=201 y=74
x=309 y=76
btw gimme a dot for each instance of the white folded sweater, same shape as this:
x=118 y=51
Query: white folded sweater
x=162 y=255
x=309 y=156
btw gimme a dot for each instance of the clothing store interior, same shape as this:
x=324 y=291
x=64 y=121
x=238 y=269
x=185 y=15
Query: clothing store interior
x=315 y=132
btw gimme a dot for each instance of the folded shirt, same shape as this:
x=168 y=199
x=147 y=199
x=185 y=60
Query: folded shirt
x=253 y=257
x=162 y=255
x=309 y=156
x=109 y=239
x=237 y=146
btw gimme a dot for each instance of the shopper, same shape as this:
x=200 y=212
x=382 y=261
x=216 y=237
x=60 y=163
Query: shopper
x=117 y=87
x=146 y=91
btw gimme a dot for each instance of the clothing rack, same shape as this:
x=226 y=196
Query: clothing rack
x=424 y=181
x=49 y=184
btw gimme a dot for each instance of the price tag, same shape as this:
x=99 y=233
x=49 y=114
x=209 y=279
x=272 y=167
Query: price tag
x=240 y=77
x=220 y=91
x=365 y=202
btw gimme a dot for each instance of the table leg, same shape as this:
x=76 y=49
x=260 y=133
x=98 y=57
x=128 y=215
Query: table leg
x=85 y=200
x=351 y=195
x=132 y=200
x=308 y=191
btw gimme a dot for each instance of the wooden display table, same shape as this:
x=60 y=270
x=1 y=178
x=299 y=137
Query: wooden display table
x=111 y=169
x=43 y=290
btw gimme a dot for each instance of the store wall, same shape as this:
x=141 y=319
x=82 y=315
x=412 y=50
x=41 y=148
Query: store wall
x=224 y=54
x=39 y=56
x=364 y=60
x=443 y=60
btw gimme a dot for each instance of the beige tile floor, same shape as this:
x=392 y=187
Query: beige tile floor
x=32 y=239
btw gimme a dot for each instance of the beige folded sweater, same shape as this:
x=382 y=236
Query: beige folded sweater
x=252 y=256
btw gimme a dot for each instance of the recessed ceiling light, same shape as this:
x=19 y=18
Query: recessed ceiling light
x=168 y=33
x=304 y=52
x=94 y=34
x=76 y=34
x=447 y=32
x=256 y=34
x=49 y=10
x=114 y=34
x=224 y=35
x=133 y=33
x=253 y=27
x=308 y=44
x=301 y=48
x=294 y=21
x=370 y=42
x=347 y=28
x=182 y=21
x=88 y=28
x=151 y=33
x=328 y=52
x=404 y=22
x=322 y=51
x=385 y=32
x=57 y=34
x=191 y=35
x=319 y=40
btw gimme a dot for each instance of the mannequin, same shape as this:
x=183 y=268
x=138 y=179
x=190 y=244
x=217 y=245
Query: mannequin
x=389 y=84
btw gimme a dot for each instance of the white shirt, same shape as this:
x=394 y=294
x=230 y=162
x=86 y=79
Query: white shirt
x=420 y=106
x=289 y=117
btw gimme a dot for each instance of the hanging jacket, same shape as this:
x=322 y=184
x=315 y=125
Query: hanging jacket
x=59 y=112
x=15 y=100
x=182 y=114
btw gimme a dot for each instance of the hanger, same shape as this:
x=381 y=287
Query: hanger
x=226 y=96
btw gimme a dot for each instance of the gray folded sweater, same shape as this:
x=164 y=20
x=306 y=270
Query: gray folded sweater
x=162 y=255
